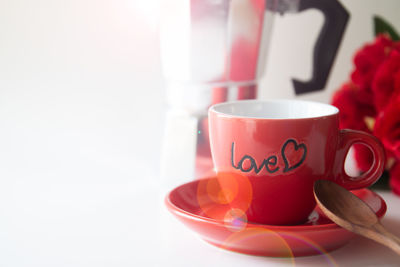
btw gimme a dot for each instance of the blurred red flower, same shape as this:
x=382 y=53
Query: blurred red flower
x=354 y=105
x=387 y=127
x=386 y=79
x=370 y=102
x=368 y=59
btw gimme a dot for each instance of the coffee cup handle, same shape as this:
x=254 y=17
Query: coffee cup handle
x=347 y=138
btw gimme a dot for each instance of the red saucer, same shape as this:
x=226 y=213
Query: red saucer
x=189 y=203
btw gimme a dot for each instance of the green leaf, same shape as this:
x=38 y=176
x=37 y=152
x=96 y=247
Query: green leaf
x=383 y=27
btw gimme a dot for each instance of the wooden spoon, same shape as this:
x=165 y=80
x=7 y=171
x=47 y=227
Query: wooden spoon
x=353 y=214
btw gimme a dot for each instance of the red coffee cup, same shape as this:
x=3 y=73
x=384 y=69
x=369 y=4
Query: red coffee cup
x=268 y=154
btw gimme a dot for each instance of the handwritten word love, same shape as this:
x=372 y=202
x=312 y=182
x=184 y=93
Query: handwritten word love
x=270 y=163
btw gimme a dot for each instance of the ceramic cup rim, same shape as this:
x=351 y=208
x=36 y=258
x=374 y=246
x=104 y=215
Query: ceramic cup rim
x=221 y=109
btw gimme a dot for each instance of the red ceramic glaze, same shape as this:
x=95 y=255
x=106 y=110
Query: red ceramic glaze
x=269 y=153
x=196 y=205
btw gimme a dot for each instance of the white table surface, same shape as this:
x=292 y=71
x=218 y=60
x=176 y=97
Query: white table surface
x=84 y=222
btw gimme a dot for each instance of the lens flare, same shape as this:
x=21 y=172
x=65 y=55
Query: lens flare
x=267 y=240
x=278 y=244
x=292 y=238
x=235 y=220
x=218 y=197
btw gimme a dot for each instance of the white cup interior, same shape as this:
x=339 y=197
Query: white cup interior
x=274 y=109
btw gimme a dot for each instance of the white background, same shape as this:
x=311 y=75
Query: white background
x=81 y=122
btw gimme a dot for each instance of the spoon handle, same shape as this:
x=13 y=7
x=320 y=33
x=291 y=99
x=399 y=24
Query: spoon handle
x=384 y=237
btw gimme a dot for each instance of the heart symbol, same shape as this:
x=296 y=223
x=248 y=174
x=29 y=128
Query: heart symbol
x=291 y=166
